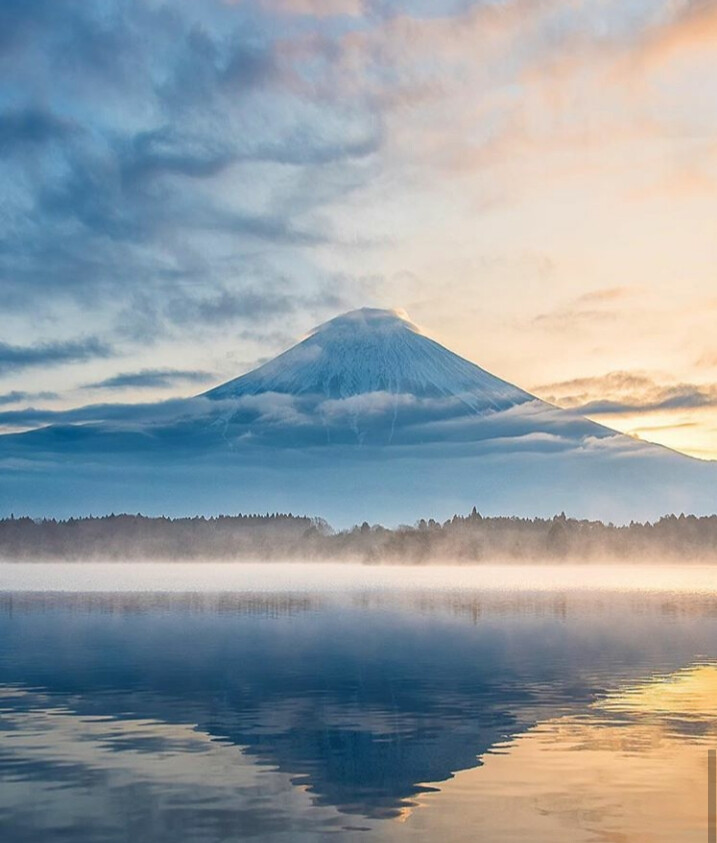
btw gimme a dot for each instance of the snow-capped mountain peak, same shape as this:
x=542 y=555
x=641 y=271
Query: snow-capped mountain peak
x=373 y=350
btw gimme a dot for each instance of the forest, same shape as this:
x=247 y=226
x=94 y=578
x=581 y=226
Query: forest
x=470 y=538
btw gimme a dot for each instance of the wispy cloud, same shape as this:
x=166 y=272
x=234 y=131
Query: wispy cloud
x=623 y=393
x=16 y=357
x=594 y=307
x=152 y=378
x=18 y=396
x=140 y=415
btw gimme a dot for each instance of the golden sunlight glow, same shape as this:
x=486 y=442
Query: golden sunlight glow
x=692 y=433
x=639 y=775
x=689 y=693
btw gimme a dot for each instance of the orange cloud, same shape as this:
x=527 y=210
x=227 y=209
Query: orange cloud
x=695 y=28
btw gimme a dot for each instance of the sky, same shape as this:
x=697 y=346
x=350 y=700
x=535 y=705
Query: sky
x=190 y=186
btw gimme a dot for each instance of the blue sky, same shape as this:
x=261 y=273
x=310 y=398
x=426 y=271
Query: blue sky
x=190 y=186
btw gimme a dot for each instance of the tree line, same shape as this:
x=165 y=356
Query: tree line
x=284 y=536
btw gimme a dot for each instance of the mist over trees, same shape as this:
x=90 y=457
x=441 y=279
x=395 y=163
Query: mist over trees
x=464 y=539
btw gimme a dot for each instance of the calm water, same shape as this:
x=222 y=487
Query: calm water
x=318 y=702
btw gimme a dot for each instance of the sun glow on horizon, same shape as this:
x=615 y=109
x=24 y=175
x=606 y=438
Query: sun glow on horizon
x=691 y=434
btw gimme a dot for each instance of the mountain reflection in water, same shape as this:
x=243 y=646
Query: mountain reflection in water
x=456 y=715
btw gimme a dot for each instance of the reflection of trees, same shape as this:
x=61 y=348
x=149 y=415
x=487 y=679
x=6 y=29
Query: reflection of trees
x=471 y=538
x=263 y=605
x=466 y=605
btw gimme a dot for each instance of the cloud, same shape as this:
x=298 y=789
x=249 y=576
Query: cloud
x=256 y=305
x=17 y=396
x=708 y=360
x=611 y=382
x=16 y=357
x=141 y=416
x=596 y=307
x=605 y=295
x=178 y=148
x=29 y=127
x=537 y=95
x=372 y=404
x=151 y=378
x=692 y=27
x=283 y=420
x=623 y=393
x=681 y=397
x=225 y=306
x=314 y=8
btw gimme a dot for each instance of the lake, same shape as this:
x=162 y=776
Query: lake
x=309 y=702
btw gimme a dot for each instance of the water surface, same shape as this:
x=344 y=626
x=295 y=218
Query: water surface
x=220 y=702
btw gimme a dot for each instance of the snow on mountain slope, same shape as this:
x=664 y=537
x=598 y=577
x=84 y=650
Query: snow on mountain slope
x=370 y=377
x=371 y=350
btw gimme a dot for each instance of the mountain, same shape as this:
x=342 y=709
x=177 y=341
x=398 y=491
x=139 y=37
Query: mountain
x=365 y=418
x=371 y=377
x=369 y=351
